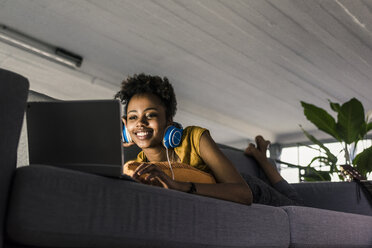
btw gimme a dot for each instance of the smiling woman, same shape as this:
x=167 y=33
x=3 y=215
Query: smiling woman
x=149 y=107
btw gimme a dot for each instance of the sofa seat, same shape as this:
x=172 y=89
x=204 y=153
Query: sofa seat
x=312 y=227
x=53 y=207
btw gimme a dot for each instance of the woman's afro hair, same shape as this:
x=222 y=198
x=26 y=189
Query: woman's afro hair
x=141 y=84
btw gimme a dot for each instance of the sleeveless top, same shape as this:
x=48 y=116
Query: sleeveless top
x=188 y=151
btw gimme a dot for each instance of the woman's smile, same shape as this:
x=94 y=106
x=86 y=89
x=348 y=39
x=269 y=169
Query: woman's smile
x=144 y=134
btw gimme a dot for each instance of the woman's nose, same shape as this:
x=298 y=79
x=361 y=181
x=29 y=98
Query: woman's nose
x=142 y=121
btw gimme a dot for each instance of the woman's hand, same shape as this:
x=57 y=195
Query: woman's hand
x=155 y=176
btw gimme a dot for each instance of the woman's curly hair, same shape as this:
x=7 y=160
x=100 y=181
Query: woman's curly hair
x=142 y=83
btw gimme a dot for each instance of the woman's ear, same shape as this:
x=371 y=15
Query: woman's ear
x=124 y=120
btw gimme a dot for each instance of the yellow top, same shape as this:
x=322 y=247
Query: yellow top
x=188 y=151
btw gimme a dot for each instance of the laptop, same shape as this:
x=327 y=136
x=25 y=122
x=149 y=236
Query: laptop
x=78 y=135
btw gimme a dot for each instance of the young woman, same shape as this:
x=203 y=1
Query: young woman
x=150 y=105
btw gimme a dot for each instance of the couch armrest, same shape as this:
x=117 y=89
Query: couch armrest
x=339 y=196
x=13 y=95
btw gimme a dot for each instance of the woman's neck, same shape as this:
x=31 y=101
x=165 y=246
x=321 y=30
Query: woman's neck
x=156 y=154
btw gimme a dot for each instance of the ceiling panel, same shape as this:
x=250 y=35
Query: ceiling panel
x=238 y=67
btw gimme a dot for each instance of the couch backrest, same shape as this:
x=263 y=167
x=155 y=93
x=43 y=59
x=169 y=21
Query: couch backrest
x=13 y=96
x=245 y=164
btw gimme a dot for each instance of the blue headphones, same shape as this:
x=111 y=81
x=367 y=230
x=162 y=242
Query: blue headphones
x=172 y=136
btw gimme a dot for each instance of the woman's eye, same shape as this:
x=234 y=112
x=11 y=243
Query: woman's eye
x=132 y=117
x=151 y=115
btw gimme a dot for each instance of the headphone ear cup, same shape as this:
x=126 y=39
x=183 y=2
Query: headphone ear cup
x=172 y=137
x=126 y=135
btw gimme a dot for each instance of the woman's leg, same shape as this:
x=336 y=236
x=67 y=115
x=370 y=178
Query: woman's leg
x=288 y=195
x=259 y=153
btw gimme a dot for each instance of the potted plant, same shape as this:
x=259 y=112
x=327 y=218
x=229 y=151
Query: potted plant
x=350 y=127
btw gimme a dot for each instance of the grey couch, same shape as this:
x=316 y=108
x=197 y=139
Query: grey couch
x=43 y=206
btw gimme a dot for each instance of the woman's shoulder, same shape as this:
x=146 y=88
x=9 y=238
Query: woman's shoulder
x=194 y=130
x=191 y=137
x=193 y=133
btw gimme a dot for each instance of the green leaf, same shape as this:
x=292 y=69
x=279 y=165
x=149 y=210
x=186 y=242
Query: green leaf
x=335 y=106
x=316 y=158
x=350 y=121
x=330 y=156
x=322 y=159
x=369 y=127
x=311 y=174
x=321 y=119
x=290 y=165
x=363 y=161
x=363 y=132
x=310 y=147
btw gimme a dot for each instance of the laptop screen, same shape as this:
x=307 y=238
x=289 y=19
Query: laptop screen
x=72 y=133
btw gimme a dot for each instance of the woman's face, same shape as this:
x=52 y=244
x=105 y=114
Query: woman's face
x=146 y=120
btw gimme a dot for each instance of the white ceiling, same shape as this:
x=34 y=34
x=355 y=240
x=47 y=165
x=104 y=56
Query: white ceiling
x=239 y=67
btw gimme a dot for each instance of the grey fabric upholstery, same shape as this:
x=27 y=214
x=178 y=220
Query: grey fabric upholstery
x=311 y=227
x=13 y=95
x=286 y=189
x=244 y=164
x=55 y=207
x=12 y=245
x=339 y=196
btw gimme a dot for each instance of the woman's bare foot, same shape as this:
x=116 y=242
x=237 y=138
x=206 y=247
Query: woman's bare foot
x=262 y=144
x=259 y=152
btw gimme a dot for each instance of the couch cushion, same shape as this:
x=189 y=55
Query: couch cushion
x=312 y=227
x=55 y=207
x=339 y=196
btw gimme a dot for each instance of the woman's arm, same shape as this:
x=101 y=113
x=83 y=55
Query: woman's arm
x=236 y=192
x=230 y=185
